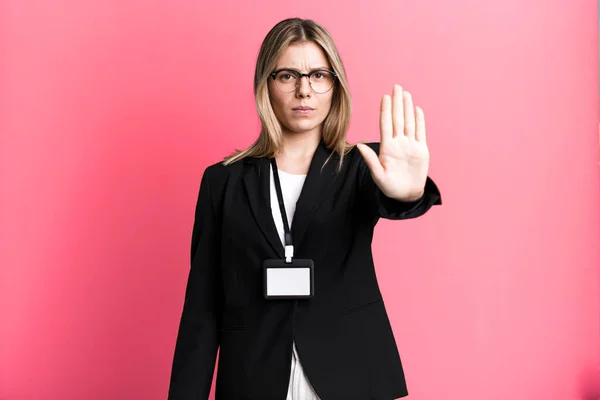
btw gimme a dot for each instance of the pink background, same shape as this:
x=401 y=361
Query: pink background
x=111 y=110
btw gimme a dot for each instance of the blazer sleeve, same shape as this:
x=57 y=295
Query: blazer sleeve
x=198 y=336
x=381 y=206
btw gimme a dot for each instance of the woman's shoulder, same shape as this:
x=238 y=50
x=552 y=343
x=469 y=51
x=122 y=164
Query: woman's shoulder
x=217 y=173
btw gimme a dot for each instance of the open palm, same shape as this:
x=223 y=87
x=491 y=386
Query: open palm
x=400 y=170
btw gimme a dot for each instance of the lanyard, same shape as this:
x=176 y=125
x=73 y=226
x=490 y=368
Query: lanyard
x=289 y=247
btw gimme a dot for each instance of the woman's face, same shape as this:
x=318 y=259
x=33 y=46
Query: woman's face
x=304 y=57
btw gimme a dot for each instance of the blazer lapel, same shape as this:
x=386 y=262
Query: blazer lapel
x=318 y=181
x=257 y=183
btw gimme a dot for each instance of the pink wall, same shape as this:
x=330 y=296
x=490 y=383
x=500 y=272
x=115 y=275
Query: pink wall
x=111 y=110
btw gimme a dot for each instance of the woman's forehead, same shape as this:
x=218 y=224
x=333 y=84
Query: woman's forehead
x=303 y=56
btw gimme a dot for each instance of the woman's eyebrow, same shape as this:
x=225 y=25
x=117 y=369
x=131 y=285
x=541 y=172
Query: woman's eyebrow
x=312 y=69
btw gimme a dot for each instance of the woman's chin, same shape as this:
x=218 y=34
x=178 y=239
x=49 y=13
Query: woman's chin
x=302 y=127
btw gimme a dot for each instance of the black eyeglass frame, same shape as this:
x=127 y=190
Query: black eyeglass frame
x=308 y=75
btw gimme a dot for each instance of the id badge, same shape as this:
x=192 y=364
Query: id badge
x=293 y=280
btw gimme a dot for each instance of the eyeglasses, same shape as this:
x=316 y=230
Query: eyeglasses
x=288 y=80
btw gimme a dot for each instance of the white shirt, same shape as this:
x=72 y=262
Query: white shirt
x=291 y=186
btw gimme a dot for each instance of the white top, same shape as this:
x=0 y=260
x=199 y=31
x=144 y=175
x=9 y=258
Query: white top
x=291 y=187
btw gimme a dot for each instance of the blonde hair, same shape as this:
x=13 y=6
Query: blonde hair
x=335 y=125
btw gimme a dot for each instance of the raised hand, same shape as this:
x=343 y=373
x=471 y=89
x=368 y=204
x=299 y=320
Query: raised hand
x=401 y=168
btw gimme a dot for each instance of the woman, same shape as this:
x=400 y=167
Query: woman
x=282 y=278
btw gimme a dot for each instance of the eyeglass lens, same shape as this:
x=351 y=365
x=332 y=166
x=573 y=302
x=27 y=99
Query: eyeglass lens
x=320 y=81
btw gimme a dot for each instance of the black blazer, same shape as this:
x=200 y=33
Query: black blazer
x=342 y=334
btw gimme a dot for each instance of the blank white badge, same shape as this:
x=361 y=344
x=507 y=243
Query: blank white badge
x=288 y=281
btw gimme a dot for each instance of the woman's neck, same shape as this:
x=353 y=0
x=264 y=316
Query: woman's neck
x=297 y=152
x=300 y=145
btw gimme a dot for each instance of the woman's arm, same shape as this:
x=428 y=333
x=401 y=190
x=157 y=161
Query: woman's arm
x=198 y=336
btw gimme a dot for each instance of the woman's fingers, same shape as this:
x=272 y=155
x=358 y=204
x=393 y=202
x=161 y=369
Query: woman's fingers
x=385 y=119
x=409 y=116
x=398 y=111
x=372 y=160
x=420 y=134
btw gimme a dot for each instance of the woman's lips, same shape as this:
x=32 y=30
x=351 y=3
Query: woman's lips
x=303 y=111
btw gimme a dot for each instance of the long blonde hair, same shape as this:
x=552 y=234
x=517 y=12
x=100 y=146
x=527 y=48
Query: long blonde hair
x=335 y=125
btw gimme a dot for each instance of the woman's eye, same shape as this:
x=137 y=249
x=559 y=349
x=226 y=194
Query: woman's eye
x=285 y=77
